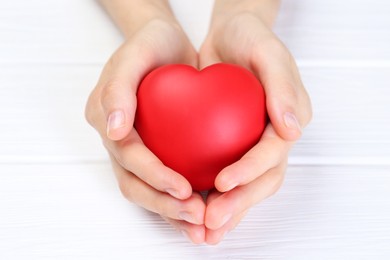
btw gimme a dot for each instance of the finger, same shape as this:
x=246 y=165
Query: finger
x=123 y=73
x=119 y=105
x=134 y=156
x=122 y=76
x=278 y=73
x=234 y=202
x=206 y=61
x=135 y=190
x=111 y=106
x=194 y=233
x=208 y=57
x=212 y=195
x=270 y=151
x=214 y=237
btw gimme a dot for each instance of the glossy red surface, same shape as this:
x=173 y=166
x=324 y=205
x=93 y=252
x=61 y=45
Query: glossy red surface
x=198 y=122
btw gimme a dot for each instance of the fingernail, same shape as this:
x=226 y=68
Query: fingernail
x=187 y=217
x=115 y=120
x=225 y=219
x=291 y=121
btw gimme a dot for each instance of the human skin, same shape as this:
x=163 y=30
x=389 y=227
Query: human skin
x=241 y=33
x=153 y=38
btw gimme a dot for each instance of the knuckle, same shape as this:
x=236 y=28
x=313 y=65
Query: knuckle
x=121 y=159
x=88 y=115
x=125 y=151
x=117 y=151
x=106 y=143
x=161 y=208
x=282 y=88
x=277 y=184
x=126 y=189
x=289 y=91
x=275 y=49
x=152 y=173
x=164 y=206
x=91 y=107
x=307 y=111
x=309 y=115
x=165 y=178
x=278 y=49
x=278 y=177
x=109 y=94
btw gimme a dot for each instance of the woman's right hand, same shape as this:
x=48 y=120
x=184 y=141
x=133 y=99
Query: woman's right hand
x=142 y=177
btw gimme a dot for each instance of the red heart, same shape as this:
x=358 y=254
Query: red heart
x=198 y=122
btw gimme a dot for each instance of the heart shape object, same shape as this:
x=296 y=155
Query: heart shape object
x=198 y=122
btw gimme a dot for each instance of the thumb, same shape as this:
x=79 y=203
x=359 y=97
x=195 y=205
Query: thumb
x=283 y=103
x=282 y=107
x=119 y=102
x=118 y=94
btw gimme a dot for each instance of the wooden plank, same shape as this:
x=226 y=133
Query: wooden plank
x=42 y=111
x=58 y=196
x=336 y=31
x=62 y=31
x=75 y=211
x=351 y=115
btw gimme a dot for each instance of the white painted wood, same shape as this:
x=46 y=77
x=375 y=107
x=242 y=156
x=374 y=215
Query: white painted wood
x=194 y=17
x=356 y=30
x=71 y=31
x=351 y=113
x=58 y=196
x=61 y=31
x=43 y=115
x=75 y=211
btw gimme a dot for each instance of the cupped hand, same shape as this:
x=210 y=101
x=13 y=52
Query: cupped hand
x=246 y=40
x=243 y=38
x=111 y=107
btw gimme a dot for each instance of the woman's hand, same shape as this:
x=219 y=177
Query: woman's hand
x=153 y=38
x=240 y=33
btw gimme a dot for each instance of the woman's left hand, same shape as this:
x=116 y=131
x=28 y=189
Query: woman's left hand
x=244 y=38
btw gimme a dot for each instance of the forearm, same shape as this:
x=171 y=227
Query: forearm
x=265 y=9
x=130 y=15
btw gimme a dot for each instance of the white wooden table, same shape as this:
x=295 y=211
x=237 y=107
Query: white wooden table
x=58 y=196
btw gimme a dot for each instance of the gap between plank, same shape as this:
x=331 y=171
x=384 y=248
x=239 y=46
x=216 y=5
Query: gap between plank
x=302 y=63
x=293 y=160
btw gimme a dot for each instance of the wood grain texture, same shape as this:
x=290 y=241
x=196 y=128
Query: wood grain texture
x=59 y=198
x=349 y=32
x=316 y=31
x=75 y=211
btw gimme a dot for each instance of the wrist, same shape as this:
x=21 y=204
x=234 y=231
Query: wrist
x=131 y=15
x=265 y=10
